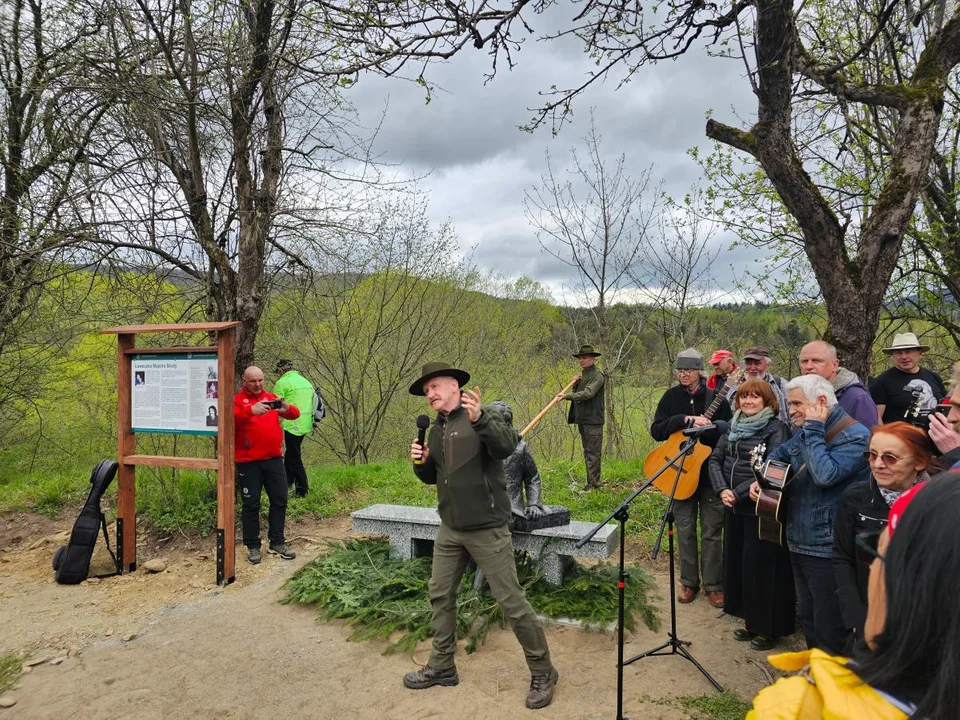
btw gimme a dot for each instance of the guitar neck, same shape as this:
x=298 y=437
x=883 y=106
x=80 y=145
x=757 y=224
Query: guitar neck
x=708 y=413
x=721 y=394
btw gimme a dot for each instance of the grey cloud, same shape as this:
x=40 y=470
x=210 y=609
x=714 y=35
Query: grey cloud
x=480 y=164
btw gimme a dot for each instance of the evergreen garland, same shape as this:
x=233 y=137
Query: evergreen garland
x=358 y=582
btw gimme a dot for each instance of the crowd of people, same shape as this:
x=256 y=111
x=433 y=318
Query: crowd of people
x=876 y=607
x=867 y=599
x=876 y=613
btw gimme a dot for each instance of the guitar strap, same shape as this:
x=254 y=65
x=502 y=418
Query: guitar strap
x=842 y=424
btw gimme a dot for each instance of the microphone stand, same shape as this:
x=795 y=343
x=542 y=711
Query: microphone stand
x=621 y=514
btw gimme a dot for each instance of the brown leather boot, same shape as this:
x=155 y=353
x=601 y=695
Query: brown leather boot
x=428 y=677
x=541 y=689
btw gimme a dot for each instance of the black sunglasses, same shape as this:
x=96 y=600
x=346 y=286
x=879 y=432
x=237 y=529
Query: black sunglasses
x=866 y=543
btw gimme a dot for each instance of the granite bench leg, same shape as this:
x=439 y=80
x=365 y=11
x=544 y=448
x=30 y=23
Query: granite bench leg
x=555 y=566
x=401 y=546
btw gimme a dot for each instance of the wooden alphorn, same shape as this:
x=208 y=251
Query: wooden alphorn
x=550 y=404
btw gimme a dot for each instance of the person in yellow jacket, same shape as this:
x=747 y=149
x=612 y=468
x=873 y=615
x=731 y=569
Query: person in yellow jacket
x=296 y=390
x=912 y=629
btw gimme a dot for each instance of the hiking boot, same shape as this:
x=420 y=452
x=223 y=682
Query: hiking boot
x=283 y=550
x=428 y=677
x=541 y=689
x=253 y=555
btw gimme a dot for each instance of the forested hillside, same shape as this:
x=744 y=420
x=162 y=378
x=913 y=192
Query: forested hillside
x=362 y=339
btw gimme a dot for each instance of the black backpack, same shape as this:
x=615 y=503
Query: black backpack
x=319 y=407
x=71 y=563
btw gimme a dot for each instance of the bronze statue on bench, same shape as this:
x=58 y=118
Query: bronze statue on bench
x=523 y=481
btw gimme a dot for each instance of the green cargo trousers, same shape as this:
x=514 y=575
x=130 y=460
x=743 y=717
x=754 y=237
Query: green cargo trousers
x=592 y=438
x=492 y=550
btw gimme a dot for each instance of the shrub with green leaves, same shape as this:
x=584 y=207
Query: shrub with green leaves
x=380 y=597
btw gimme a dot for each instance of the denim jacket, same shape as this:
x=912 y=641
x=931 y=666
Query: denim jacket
x=821 y=474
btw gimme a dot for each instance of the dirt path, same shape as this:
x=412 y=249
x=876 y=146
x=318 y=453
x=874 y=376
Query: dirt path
x=173 y=645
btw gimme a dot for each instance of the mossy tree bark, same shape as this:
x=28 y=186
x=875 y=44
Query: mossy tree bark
x=853 y=286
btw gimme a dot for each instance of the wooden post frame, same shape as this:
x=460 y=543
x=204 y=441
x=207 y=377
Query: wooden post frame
x=127 y=456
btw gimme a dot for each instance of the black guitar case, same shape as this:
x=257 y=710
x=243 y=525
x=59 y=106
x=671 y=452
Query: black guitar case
x=71 y=563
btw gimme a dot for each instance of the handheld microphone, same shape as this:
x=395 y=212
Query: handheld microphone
x=699 y=430
x=423 y=422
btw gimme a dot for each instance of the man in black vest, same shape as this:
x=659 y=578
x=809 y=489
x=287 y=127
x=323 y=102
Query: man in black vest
x=586 y=411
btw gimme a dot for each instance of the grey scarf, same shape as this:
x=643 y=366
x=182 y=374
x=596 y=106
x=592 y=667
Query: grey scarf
x=890 y=496
x=743 y=426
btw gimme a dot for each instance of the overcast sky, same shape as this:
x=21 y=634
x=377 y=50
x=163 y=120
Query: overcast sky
x=479 y=164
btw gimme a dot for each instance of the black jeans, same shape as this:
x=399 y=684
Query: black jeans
x=293 y=462
x=818 y=603
x=252 y=477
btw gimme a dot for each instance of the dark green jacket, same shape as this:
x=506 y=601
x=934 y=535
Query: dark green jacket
x=466 y=465
x=586 y=407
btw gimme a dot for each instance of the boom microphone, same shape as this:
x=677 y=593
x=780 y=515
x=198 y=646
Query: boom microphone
x=423 y=422
x=699 y=430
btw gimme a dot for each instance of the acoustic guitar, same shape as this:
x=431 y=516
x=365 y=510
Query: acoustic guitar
x=694 y=459
x=773 y=477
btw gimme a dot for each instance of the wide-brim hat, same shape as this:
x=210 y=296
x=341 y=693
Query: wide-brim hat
x=718 y=356
x=586 y=350
x=438 y=369
x=906 y=341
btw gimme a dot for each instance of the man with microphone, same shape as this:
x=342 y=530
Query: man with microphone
x=682 y=407
x=463 y=456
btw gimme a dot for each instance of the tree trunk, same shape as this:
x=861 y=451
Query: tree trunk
x=614 y=435
x=256 y=204
x=853 y=287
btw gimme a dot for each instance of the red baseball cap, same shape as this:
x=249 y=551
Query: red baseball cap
x=719 y=355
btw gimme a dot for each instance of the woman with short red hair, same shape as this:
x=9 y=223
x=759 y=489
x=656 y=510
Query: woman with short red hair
x=899 y=457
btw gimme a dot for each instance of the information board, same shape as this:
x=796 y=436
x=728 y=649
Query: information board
x=175 y=393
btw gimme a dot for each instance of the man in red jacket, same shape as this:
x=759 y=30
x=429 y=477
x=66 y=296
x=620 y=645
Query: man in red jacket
x=259 y=456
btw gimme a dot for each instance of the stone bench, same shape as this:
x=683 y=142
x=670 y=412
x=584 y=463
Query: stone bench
x=412 y=531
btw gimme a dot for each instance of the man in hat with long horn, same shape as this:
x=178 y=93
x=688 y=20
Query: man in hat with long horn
x=463 y=456
x=894 y=389
x=586 y=411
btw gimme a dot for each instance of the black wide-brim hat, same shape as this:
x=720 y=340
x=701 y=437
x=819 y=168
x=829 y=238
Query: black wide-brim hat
x=586 y=350
x=438 y=369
